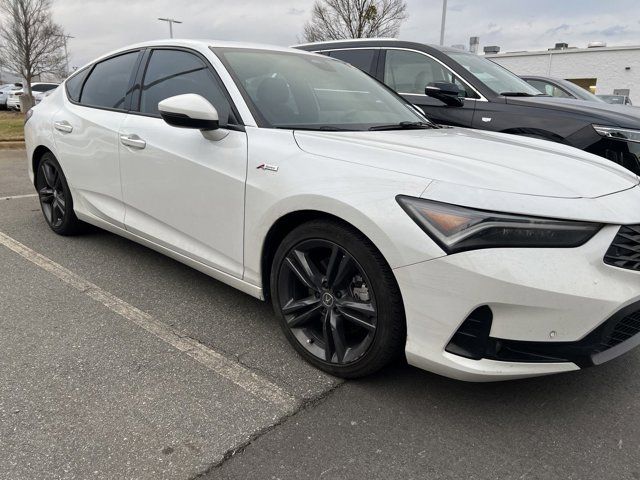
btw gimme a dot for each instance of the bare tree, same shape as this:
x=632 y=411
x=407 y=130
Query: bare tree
x=338 y=19
x=31 y=44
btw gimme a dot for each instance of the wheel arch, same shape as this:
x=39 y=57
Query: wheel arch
x=536 y=133
x=37 y=154
x=287 y=223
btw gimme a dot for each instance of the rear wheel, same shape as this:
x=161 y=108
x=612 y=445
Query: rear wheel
x=55 y=197
x=337 y=300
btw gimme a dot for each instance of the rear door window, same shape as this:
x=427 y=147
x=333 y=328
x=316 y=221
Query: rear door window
x=74 y=84
x=364 y=59
x=108 y=82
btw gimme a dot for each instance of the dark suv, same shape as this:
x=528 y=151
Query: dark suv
x=457 y=88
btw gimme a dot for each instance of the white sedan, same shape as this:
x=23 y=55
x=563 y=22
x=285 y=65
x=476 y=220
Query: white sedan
x=39 y=90
x=297 y=178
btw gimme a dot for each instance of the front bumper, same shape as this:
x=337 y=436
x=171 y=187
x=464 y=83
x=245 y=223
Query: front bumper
x=535 y=295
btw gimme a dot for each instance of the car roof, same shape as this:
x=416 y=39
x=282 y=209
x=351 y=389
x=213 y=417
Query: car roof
x=192 y=43
x=374 y=42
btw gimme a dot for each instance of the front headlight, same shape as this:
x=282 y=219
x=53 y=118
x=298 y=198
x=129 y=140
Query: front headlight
x=457 y=229
x=617 y=133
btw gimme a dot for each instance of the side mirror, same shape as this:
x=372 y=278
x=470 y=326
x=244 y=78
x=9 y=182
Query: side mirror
x=445 y=92
x=192 y=111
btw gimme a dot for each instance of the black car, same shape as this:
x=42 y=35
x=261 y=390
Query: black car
x=558 y=87
x=454 y=87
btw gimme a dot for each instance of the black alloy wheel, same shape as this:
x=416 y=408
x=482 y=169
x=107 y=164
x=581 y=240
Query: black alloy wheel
x=55 y=196
x=328 y=300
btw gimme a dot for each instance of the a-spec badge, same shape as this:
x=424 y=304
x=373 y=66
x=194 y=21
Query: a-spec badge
x=266 y=166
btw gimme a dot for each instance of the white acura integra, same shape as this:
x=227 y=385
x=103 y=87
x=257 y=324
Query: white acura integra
x=296 y=177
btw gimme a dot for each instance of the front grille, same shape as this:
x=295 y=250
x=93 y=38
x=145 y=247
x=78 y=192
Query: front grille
x=626 y=328
x=624 y=252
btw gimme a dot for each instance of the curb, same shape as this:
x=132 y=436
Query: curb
x=12 y=145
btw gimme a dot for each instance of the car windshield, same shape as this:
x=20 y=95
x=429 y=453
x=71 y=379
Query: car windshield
x=494 y=76
x=303 y=91
x=580 y=92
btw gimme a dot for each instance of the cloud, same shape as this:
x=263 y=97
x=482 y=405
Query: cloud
x=611 y=31
x=515 y=26
x=100 y=26
x=560 y=28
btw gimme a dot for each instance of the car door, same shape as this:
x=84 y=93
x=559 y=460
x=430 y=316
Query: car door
x=86 y=131
x=408 y=72
x=181 y=190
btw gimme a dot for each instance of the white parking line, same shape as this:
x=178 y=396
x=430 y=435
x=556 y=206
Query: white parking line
x=16 y=197
x=232 y=371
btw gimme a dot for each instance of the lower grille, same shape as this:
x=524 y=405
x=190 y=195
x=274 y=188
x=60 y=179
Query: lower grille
x=473 y=340
x=624 y=252
x=626 y=328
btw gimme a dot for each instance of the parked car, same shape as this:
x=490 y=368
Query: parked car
x=471 y=91
x=37 y=88
x=557 y=87
x=4 y=93
x=297 y=178
x=616 y=99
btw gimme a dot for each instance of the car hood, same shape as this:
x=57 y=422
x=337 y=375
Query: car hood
x=476 y=158
x=604 y=113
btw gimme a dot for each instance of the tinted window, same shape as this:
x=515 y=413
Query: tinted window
x=174 y=72
x=44 y=87
x=549 y=89
x=362 y=59
x=107 y=85
x=411 y=72
x=74 y=84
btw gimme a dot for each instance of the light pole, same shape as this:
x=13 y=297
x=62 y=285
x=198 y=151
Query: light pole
x=444 y=18
x=66 y=52
x=170 y=21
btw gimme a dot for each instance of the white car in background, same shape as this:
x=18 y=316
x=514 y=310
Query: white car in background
x=4 y=93
x=39 y=89
x=297 y=178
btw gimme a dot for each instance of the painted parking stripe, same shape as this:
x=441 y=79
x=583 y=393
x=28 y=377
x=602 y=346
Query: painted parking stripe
x=245 y=378
x=17 y=197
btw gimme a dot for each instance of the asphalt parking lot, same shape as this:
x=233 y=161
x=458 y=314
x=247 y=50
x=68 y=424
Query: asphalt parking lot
x=117 y=362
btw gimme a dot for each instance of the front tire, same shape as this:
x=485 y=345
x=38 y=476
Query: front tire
x=55 y=197
x=337 y=299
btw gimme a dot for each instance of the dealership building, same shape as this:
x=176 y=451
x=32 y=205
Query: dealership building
x=602 y=70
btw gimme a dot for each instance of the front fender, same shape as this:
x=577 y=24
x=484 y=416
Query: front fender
x=364 y=197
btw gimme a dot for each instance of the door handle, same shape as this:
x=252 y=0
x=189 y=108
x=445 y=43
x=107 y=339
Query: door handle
x=63 y=126
x=133 y=141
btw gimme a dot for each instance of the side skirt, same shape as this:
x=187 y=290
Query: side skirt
x=223 y=277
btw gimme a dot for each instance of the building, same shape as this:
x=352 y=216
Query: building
x=602 y=70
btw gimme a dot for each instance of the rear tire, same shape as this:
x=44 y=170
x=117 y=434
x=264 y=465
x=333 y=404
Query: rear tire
x=337 y=299
x=55 y=197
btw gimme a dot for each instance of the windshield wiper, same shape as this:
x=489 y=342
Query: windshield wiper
x=325 y=128
x=403 y=126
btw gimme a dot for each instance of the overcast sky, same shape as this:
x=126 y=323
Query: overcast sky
x=102 y=25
